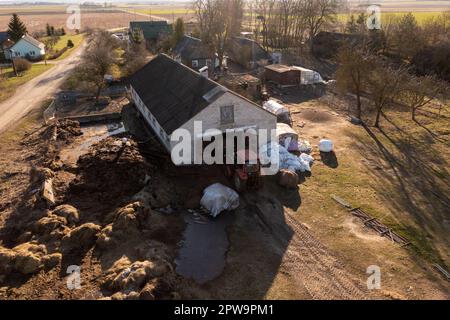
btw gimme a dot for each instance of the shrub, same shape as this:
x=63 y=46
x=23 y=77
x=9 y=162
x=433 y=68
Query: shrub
x=69 y=43
x=22 y=64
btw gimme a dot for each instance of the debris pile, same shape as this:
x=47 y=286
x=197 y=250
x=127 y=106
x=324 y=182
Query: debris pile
x=63 y=130
x=112 y=169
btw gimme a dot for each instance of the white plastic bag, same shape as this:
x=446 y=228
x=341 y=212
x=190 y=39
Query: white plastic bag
x=325 y=145
x=217 y=198
x=306 y=160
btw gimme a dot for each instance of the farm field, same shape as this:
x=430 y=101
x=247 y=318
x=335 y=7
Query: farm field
x=421 y=17
x=37 y=21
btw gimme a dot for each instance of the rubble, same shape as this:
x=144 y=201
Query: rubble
x=27 y=257
x=64 y=130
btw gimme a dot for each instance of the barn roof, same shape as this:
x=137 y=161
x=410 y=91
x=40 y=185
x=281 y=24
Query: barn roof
x=172 y=92
x=151 y=29
x=190 y=48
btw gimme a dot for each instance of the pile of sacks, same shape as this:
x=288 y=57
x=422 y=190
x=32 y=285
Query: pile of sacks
x=286 y=160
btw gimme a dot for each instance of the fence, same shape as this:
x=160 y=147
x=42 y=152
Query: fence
x=50 y=113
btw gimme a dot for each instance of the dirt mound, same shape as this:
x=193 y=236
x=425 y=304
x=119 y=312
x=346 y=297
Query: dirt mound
x=315 y=115
x=63 y=130
x=113 y=169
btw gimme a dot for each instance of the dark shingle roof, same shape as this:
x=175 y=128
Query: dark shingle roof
x=151 y=29
x=173 y=92
x=3 y=36
x=190 y=48
x=239 y=44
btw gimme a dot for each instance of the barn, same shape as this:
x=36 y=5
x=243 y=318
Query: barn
x=171 y=96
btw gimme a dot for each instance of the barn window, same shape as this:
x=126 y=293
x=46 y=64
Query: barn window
x=194 y=63
x=226 y=114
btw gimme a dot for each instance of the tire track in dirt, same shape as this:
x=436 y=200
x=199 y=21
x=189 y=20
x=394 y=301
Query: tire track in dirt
x=310 y=265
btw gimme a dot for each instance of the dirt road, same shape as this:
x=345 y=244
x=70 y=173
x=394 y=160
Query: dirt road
x=31 y=94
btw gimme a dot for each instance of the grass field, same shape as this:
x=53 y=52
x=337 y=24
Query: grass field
x=77 y=39
x=9 y=83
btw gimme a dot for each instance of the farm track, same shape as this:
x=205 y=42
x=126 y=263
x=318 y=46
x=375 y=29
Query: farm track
x=312 y=266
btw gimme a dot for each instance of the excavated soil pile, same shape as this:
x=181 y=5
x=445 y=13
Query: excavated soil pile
x=114 y=168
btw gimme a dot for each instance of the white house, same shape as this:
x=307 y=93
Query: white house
x=26 y=47
x=170 y=95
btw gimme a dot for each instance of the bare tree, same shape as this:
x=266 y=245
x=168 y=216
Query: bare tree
x=317 y=13
x=420 y=91
x=98 y=60
x=353 y=72
x=218 y=21
x=384 y=84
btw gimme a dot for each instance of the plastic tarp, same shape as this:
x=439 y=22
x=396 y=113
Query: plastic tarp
x=286 y=159
x=308 y=76
x=287 y=137
x=274 y=107
x=217 y=198
x=325 y=145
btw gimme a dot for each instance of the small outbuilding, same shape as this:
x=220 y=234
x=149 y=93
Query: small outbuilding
x=284 y=76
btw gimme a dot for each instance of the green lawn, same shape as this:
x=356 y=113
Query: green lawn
x=9 y=83
x=77 y=39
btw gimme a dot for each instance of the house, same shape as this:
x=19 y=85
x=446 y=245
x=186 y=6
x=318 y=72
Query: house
x=284 y=76
x=194 y=53
x=5 y=42
x=3 y=37
x=171 y=96
x=150 y=30
x=26 y=47
x=247 y=52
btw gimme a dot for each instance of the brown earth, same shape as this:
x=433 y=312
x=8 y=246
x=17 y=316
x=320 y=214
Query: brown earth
x=292 y=243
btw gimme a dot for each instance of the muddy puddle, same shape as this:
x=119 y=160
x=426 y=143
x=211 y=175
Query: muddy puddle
x=91 y=135
x=202 y=253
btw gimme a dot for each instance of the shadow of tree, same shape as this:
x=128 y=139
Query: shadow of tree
x=414 y=183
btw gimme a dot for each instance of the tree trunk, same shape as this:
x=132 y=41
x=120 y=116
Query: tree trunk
x=97 y=95
x=413 y=114
x=358 y=105
x=377 y=119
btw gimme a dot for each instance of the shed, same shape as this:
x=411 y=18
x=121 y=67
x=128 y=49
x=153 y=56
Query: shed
x=283 y=75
